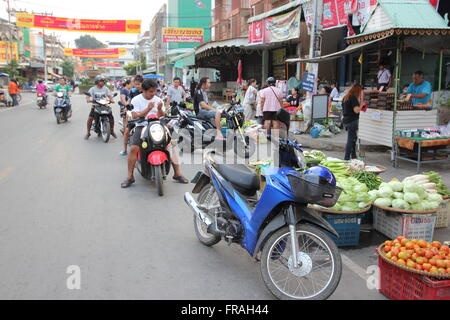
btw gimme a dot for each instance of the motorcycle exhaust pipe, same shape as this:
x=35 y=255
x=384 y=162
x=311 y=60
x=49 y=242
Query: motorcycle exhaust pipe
x=190 y=201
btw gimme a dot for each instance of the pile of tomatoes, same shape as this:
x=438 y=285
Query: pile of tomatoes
x=419 y=254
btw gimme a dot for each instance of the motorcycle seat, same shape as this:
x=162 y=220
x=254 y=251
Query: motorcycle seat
x=241 y=177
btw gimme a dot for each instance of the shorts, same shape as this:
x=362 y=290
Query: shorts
x=269 y=115
x=207 y=114
x=135 y=139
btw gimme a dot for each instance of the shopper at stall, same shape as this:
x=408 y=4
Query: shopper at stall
x=352 y=107
x=384 y=78
x=294 y=99
x=250 y=100
x=271 y=102
x=419 y=89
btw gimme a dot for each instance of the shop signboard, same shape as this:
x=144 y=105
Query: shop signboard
x=9 y=50
x=183 y=35
x=330 y=17
x=27 y=20
x=308 y=81
x=256 y=32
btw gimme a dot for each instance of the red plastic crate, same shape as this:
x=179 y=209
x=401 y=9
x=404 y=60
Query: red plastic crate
x=398 y=284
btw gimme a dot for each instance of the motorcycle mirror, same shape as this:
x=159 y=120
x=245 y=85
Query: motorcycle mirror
x=115 y=95
x=87 y=94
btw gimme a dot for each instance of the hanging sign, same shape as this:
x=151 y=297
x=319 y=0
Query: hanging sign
x=9 y=50
x=308 y=81
x=95 y=53
x=183 y=35
x=26 y=20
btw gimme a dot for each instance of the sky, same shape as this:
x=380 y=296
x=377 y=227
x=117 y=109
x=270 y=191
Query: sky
x=91 y=9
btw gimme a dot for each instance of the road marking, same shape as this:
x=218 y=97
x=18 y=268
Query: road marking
x=5 y=172
x=354 y=267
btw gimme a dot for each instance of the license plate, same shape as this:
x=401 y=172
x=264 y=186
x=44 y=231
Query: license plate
x=104 y=112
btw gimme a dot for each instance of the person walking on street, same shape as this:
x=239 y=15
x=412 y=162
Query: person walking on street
x=14 y=91
x=384 y=78
x=352 y=108
x=271 y=102
x=250 y=100
x=193 y=87
x=125 y=99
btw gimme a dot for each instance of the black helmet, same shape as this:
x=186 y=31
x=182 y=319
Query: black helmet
x=271 y=81
x=99 y=79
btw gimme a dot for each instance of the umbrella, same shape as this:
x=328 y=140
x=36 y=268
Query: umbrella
x=239 y=80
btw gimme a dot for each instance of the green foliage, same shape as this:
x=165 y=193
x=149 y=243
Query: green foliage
x=132 y=68
x=12 y=69
x=89 y=42
x=68 y=68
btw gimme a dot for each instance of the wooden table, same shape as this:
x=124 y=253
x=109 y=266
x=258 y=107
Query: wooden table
x=422 y=144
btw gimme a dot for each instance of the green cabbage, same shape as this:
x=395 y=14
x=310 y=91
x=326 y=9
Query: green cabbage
x=434 y=205
x=350 y=206
x=396 y=186
x=363 y=205
x=373 y=195
x=360 y=188
x=417 y=207
x=398 y=195
x=400 y=204
x=345 y=197
x=385 y=192
x=434 y=197
x=413 y=188
x=337 y=207
x=383 y=202
x=411 y=197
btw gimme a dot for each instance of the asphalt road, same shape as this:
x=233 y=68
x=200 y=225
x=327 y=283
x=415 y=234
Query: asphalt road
x=62 y=205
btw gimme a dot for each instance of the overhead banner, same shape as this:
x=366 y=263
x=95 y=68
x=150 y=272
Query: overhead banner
x=276 y=29
x=183 y=35
x=26 y=20
x=107 y=64
x=96 y=53
x=9 y=50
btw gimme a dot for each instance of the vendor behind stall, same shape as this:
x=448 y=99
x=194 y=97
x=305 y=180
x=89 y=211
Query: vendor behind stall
x=419 y=89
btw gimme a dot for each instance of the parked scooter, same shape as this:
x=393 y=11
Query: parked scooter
x=41 y=101
x=196 y=133
x=153 y=157
x=103 y=110
x=62 y=109
x=298 y=259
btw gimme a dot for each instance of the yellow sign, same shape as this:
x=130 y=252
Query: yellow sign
x=183 y=35
x=8 y=51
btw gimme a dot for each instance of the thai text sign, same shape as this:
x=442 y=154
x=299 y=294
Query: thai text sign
x=26 y=20
x=9 y=51
x=308 y=81
x=96 y=53
x=183 y=35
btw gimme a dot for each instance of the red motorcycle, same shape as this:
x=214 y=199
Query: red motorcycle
x=153 y=157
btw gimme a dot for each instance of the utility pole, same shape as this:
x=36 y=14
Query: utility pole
x=8 y=44
x=315 y=41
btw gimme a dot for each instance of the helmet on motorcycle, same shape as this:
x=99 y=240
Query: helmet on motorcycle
x=99 y=79
x=320 y=175
x=271 y=81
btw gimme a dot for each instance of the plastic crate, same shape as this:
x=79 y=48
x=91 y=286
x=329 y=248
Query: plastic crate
x=398 y=284
x=411 y=226
x=443 y=214
x=347 y=226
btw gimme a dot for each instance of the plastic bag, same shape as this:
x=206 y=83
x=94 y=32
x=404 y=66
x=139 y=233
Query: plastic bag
x=326 y=134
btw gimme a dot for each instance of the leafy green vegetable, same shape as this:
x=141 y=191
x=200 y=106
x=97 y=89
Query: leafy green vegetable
x=385 y=192
x=400 y=204
x=383 y=202
x=396 y=186
x=434 y=197
x=411 y=197
x=399 y=195
x=434 y=177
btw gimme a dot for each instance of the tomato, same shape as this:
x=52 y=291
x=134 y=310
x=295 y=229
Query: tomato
x=422 y=243
x=436 y=244
x=445 y=249
x=414 y=241
x=442 y=270
x=409 y=245
x=411 y=264
x=435 y=251
x=419 y=267
x=394 y=258
x=397 y=245
x=404 y=241
x=400 y=238
x=402 y=262
x=388 y=243
x=403 y=256
x=420 y=260
x=428 y=254
x=420 y=252
x=427 y=267
x=389 y=255
x=414 y=256
x=416 y=247
x=439 y=257
x=433 y=261
x=448 y=270
x=395 y=251
x=425 y=260
x=440 y=263
x=402 y=249
x=387 y=248
x=434 y=269
x=447 y=263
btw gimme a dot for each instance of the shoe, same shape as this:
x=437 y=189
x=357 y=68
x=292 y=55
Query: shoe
x=123 y=153
x=114 y=135
x=87 y=136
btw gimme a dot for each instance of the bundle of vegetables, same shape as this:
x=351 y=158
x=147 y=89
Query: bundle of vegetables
x=338 y=167
x=372 y=181
x=354 y=197
x=423 y=180
x=405 y=196
x=314 y=155
x=247 y=124
x=356 y=165
x=441 y=188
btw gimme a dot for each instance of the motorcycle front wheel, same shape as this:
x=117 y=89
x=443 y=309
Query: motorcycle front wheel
x=207 y=199
x=58 y=117
x=159 y=180
x=319 y=265
x=105 y=130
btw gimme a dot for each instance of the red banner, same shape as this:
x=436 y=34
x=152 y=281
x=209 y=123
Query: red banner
x=96 y=54
x=330 y=17
x=26 y=20
x=107 y=64
x=256 y=32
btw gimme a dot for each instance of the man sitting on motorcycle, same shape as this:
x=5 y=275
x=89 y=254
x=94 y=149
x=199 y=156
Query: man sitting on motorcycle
x=41 y=88
x=125 y=99
x=144 y=105
x=99 y=91
x=202 y=107
x=66 y=90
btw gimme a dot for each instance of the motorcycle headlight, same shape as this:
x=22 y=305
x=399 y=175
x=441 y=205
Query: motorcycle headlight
x=103 y=101
x=157 y=133
x=60 y=94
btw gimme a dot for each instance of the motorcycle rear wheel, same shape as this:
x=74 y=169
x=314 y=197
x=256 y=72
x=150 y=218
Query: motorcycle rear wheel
x=304 y=277
x=159 y=180
x=200 y=227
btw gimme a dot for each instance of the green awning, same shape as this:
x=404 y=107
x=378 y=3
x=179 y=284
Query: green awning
x=185 y=62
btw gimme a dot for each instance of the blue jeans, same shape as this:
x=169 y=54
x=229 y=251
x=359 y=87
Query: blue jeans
x=350 y=148
x=14 y=99
x=207 y=114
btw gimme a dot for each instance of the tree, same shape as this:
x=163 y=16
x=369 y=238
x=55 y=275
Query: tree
x=68 y=68
x=132 y=68
x=89 y=42
x=12 y=69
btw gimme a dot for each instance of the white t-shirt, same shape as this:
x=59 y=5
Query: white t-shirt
x=250 y=96
x=384 y=76
x=334 y=93
x=140 y=104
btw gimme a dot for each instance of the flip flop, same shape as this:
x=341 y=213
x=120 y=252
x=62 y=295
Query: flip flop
x=181 y=179
x=127 y=183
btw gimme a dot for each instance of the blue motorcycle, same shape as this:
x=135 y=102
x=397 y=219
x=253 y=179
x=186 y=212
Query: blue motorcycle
x=298 y=258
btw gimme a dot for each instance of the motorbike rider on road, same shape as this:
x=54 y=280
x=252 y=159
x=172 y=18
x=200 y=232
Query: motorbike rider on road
x=41 y=88
x=66 y=90
x=99 y=91
x=146 y=104
x=125 y=99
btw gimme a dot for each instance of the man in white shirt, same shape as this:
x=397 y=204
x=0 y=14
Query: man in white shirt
x=384 y=78
x=176 y=92
x=144 y=105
